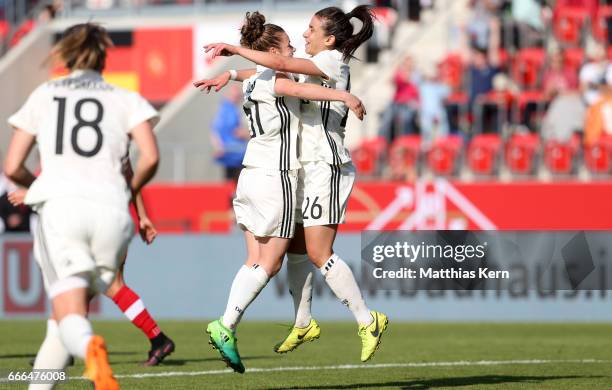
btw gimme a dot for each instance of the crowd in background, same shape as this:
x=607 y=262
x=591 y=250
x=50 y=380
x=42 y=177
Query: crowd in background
x=494 y=70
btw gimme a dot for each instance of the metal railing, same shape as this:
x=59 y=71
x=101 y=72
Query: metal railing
x=158 y=7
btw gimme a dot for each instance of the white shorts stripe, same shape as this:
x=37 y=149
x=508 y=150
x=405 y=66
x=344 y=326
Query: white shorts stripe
x=66 y=284
x=135 y=309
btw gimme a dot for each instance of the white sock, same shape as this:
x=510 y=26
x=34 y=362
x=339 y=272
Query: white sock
x=299 y=271
x=247 y=284
x=341 y=280
x=75 y=331
x=52 y=354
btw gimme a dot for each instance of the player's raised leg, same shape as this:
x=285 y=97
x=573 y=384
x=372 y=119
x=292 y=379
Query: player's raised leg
x=340 y=278
x=299 y=274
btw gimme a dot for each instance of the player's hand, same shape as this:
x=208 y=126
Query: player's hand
x=17 y=197
x=220 y=49
x=217 y=83
x=147 y=230
x=355 y=105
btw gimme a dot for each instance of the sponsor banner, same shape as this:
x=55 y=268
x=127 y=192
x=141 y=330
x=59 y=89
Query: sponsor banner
x=188 y=277
x=437 y=205
x=512 y=261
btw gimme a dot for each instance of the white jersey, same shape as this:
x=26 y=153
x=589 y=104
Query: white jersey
x=322 y=137
x=273 y=121
x=81 y=125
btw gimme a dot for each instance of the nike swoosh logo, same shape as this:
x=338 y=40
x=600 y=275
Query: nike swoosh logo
x=375 y=331
x=305 y=333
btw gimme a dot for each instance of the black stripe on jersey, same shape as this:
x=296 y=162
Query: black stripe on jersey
x=348 y=89
x=285 y=117
x=334 y=197
x=257 y=117
x=250 y=119
x=287 y=220
x=325 y=108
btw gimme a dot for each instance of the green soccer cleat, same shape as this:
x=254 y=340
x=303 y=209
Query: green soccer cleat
x=371 y=335
x=298 y=336
x=224 y=340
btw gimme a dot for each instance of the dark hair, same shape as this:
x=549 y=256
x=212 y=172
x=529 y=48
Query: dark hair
x=256 y=34
x=83 y=46
x=335 y=22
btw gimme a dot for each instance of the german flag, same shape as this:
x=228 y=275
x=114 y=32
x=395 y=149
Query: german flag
x=156 y=62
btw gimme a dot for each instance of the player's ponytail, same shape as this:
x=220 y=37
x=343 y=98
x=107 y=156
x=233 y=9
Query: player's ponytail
x=256 y=34
x=83 y=46
x=335 y=22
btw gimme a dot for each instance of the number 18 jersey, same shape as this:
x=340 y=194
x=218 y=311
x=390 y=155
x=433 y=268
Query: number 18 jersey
x=82 y=124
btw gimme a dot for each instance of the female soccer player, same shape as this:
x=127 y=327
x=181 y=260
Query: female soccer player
x=266 y=193
x=83 y=127
x=327 y=172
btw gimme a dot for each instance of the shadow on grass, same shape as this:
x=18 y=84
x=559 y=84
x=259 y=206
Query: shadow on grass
x=422 y=384
x=169 y=361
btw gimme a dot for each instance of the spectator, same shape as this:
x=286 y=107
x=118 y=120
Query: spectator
x=564 y=117
x=479 y=26
x=229 y=138
x=398 y=118
x=557 y=78
x=433 y=120
x=484 y=65
x=593 y=73
x=529 y=16
x=599 y=115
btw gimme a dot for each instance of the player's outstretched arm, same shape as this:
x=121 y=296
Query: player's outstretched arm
x=148 y=156
x=14 y=164
x=269 y=60
x=286 y=87
x=219 y=82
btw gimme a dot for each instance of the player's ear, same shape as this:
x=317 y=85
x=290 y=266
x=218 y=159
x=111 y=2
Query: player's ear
x=273 y=50
x=330 y=41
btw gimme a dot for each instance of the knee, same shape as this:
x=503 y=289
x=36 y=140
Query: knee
x=114 y=287
x=319 y=256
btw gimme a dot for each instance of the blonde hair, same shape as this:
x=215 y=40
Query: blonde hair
x=83 y=46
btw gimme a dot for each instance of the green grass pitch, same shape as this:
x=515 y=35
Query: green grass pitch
x=412 y=356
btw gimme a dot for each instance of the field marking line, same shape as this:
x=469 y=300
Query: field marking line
x=352 y=367
x=358 y=366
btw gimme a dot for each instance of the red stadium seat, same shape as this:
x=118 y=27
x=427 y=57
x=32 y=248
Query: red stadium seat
x=483 y=154
x=568 y=24
x=404 y=155
x=521 y=153
x=560 y=157
x=600 y=26
x=598 y=157
x=528 y=67
x=444 y=156
x=367 y=157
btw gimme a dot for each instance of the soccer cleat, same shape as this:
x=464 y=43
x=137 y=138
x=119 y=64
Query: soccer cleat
x=371 y=335
x=159 y=352
x=97 y=368
x=298 y=336
x=224 y=340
